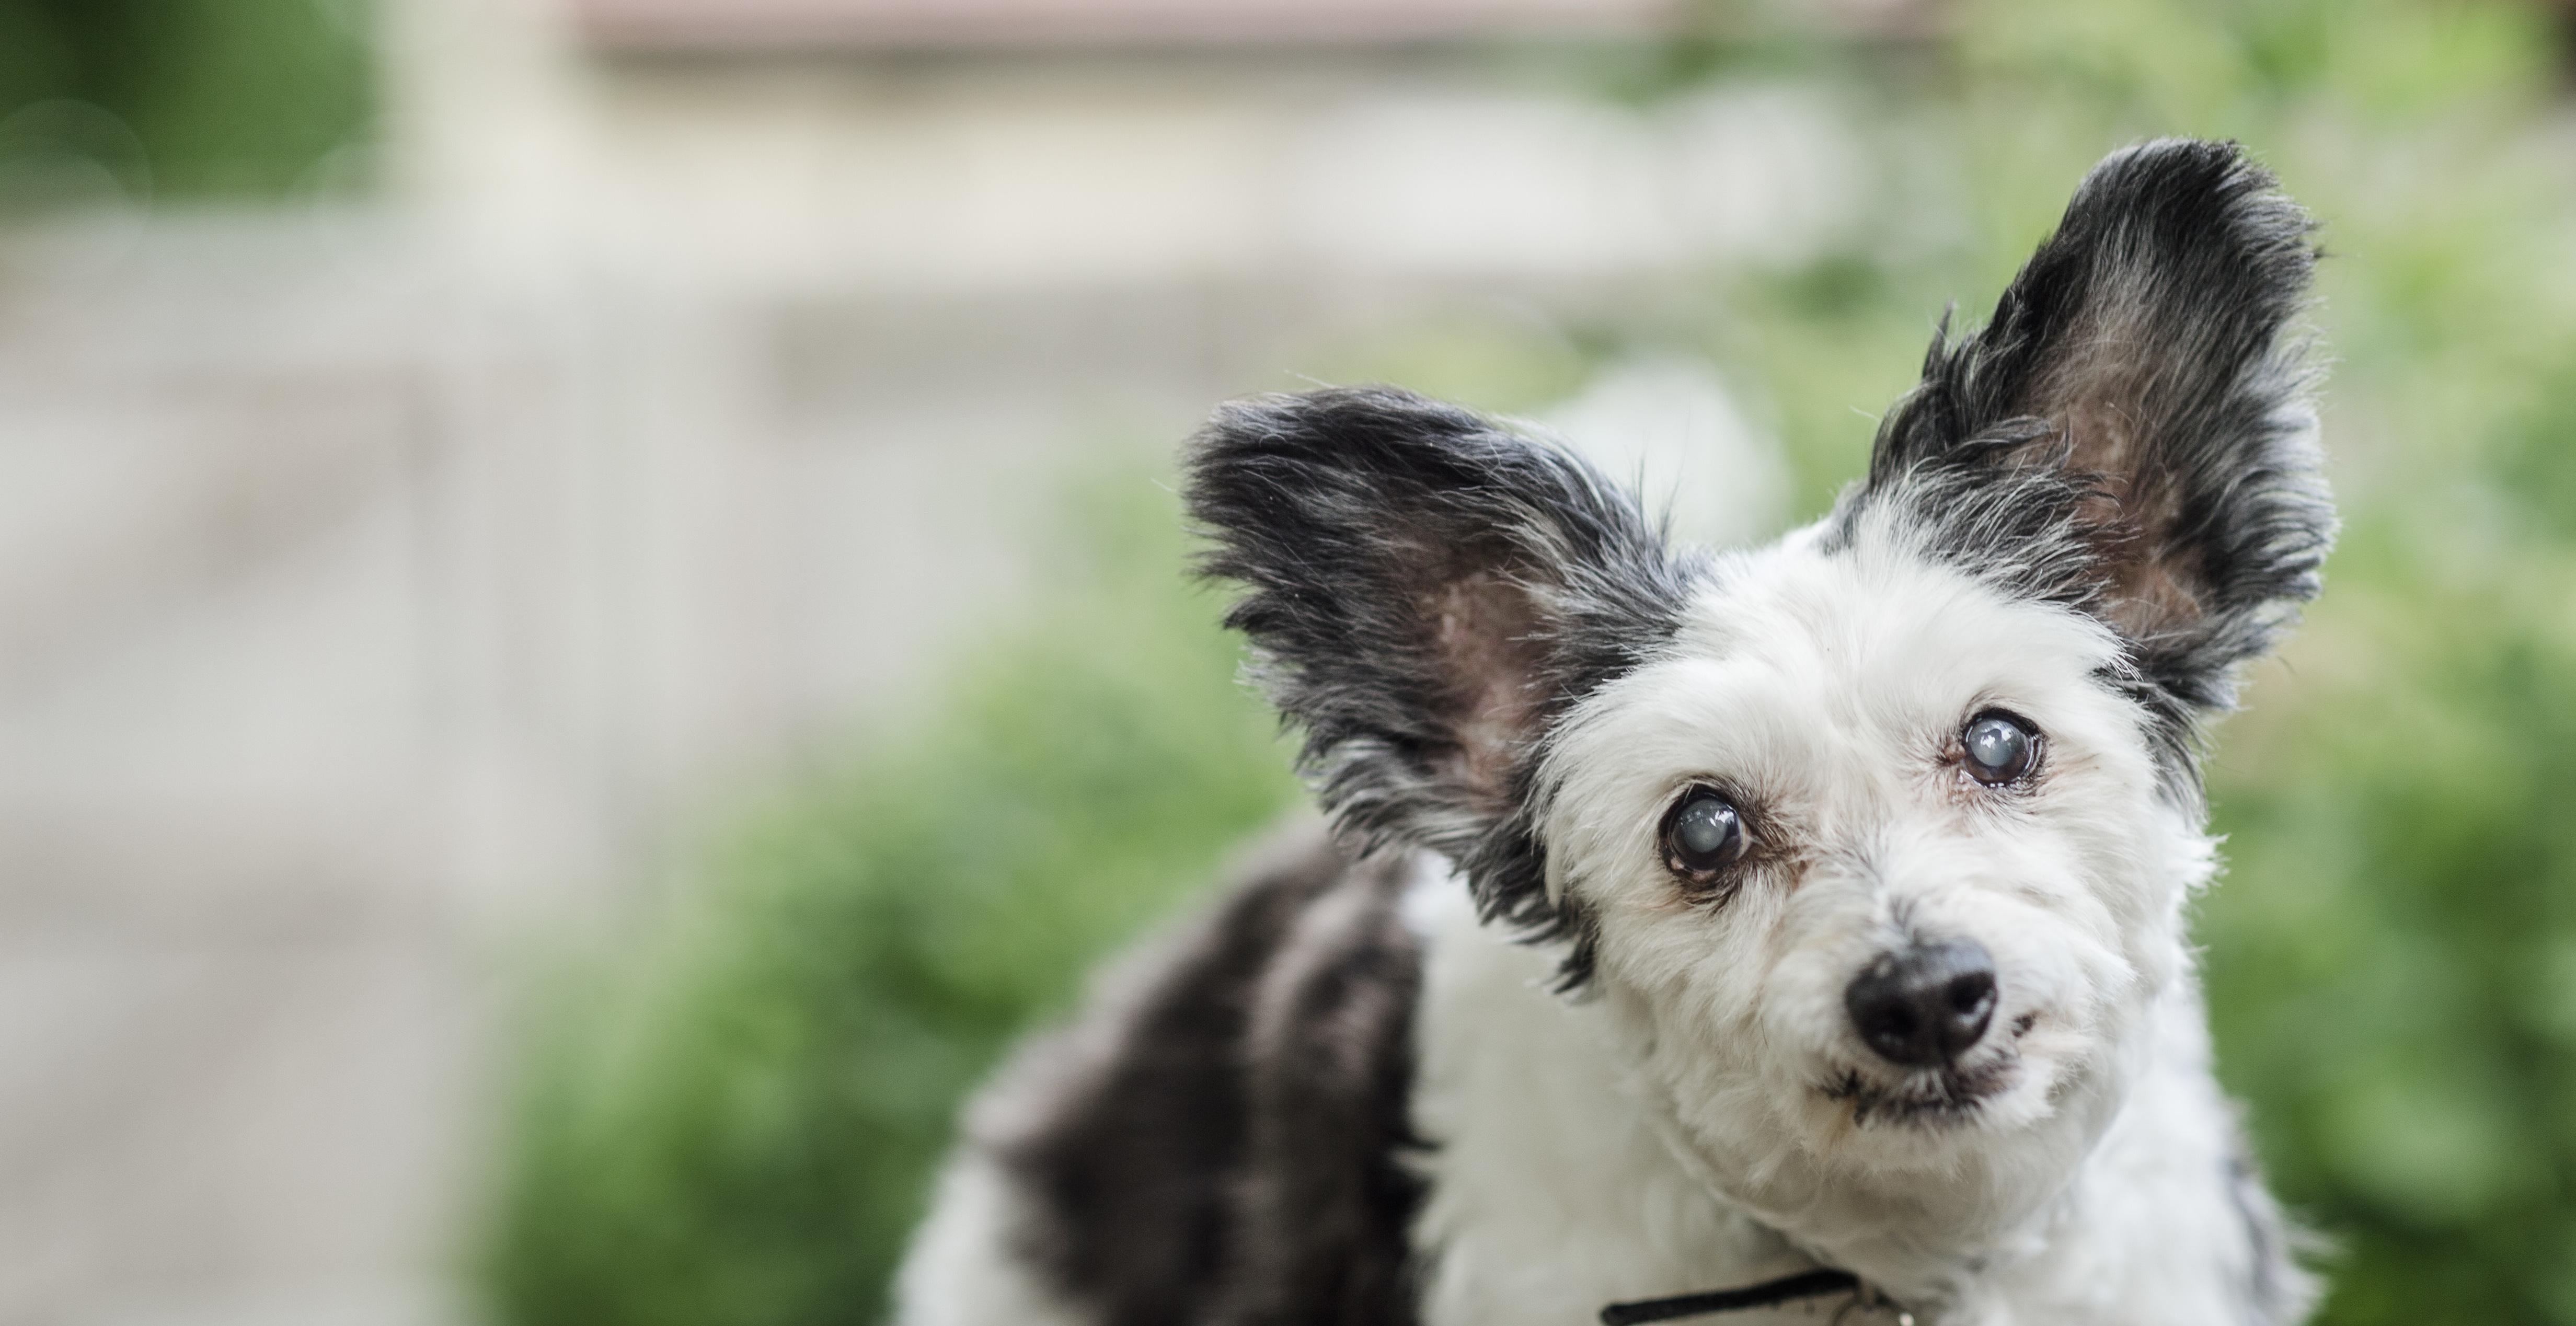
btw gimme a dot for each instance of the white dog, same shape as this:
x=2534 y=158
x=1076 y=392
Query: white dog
x=1781 y=932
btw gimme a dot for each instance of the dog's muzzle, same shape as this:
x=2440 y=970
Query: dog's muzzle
x=1924 y=1005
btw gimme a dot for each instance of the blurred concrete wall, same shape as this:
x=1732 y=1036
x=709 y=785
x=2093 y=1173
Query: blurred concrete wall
x=382 y=580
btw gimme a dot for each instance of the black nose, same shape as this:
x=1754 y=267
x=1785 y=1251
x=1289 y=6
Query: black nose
x=1925 y=1004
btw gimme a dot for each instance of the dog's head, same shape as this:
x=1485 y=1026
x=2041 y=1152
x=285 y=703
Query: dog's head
x=1882 y=832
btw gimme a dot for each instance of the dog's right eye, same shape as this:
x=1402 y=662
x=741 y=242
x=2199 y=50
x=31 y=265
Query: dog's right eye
x=1703 y=834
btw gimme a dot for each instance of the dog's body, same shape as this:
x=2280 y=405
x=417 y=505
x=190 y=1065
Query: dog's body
x=1692 y=921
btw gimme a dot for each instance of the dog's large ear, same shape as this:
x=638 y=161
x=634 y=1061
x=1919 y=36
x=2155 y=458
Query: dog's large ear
x=2132 y=430
x=1427 y=590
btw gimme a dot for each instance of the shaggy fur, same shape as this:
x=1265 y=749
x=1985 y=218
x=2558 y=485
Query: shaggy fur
x=1231 y=1144
x=1494 y=1059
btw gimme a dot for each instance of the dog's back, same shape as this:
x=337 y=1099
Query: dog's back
x=1220 y=1137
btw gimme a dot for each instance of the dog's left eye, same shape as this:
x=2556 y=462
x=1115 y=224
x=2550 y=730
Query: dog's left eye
x=2001 y=747
x=1703 y=833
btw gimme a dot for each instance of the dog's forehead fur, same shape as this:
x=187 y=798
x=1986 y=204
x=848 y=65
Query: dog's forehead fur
x=1823 y=689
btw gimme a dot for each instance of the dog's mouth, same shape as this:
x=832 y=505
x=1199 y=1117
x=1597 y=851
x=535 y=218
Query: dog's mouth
x=1932 y=1098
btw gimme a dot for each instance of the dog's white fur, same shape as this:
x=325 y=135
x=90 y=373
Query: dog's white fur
x=1675 y=1133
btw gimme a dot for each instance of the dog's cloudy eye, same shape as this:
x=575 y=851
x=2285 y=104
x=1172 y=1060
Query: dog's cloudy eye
x=2001 y=748
x=1702 y=833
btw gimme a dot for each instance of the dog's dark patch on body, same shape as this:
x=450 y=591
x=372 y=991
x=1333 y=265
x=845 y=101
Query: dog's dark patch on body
x=1229 y=1146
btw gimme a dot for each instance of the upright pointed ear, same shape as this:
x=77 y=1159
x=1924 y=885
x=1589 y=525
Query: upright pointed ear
x=2132 y=431
x=1426 y=592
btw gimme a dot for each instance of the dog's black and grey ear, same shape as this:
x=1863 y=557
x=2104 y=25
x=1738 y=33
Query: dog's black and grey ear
x=2133 y=429
x=1427 y=590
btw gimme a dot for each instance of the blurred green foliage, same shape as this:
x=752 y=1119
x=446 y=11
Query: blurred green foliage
x=738 y=1128
x=177 y=98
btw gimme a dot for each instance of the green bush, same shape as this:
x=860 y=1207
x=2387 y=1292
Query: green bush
x=739 y=1125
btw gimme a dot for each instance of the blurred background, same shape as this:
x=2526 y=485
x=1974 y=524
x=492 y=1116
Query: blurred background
x=591 y=612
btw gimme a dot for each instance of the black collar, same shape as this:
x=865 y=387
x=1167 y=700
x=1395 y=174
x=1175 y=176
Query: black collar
x=1769 y=1293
